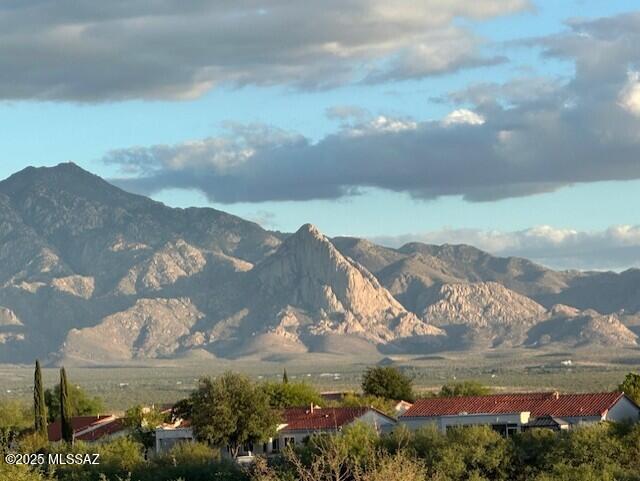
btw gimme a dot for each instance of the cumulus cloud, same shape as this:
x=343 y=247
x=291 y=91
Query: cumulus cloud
x=630 y=94
x=505 y=144
x=169 y=49
x=463 y=116
x=615 y=248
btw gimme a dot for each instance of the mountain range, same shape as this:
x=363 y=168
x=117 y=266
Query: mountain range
x=92 y=274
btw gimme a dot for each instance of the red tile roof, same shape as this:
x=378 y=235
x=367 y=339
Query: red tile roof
x=87 y=428
x=303 y=419
x=104 y=429
x=538 y=404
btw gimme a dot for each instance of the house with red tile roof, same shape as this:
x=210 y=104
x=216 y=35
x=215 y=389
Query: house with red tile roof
x=90 y=428
x=299 y=424
x=511 y=413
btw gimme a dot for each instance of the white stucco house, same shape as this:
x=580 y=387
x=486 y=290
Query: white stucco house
x=298 y=424
x=511 y=413
x=168 y=435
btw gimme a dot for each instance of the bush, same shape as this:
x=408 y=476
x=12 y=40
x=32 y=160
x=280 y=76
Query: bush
x=388 y=383
x=631 y=386
x=186 y=453
x=465 y=388
x=122 y=459
x=283 y=395
x=21 y=473
x=15 y=417
x=386 y=406
x=123 y=454
x=81 y=403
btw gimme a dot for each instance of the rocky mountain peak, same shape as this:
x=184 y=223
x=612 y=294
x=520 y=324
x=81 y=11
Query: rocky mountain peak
x=62 y=177
x=310 y=230
x=317 y=275
x=309 y=273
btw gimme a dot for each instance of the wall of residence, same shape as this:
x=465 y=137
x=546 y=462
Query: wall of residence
x=443 y=422
x=624 y=410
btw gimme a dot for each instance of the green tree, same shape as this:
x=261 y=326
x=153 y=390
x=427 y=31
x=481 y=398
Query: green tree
x=466 y=388
x=182 y=409
x=142 y=422
x=122 y=453
x=387 y=382
x=231 y=411
x=191 y=454
x=285 y=378
x=65 y=408
x=474 y=452
x=14 y=418
x=352 y=400
x=80 y=402
x=39 y=404
x=283 y=395
x=21 y=473
x=631 y=386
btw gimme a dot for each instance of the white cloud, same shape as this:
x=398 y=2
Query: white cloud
x=380 y=124
x=463 y=116
x=83 y=50
x=617 y=247
x=630 y=94
x=505 y=144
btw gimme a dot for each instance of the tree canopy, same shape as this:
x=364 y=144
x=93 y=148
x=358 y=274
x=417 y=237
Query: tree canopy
x=352 y=400
x=65 y=408
x=231 y=411
x=465 y=388
x=14 y=418
x=291 y=394
x=387 y=382
x=142 y=422
x=631 y=386
x=81 y=404
x=39 y=404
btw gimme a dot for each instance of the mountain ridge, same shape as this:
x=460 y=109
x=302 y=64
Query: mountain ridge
x=81 y=258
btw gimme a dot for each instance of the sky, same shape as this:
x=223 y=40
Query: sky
x=511 y=125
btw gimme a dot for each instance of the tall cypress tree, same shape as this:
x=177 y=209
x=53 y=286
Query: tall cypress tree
x=65 y=408
x=39 y=404
x=285 y=378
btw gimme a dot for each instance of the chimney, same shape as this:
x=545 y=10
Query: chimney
x=311 y=411
x=555 y=395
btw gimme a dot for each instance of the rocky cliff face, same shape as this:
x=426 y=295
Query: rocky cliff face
x=308 y=288
x=75 y=249
x=576 y=328
x=82 y=261
x=149 y=329
x=481 y=305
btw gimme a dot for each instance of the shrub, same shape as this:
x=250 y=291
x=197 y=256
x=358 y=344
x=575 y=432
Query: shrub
x=388 y=383
x=465 y=388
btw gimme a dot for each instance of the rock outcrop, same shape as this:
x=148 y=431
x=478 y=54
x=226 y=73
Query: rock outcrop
x=337 y=295
x=482 y=305
x=151 y=328
x=575 y=328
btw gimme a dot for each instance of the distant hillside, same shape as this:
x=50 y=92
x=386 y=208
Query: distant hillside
x=92 y=274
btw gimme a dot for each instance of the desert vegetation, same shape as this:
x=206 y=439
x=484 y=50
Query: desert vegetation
x=231 y=410
x=604 y=452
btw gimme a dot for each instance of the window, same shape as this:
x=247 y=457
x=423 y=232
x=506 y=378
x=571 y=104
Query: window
x=289 y=441
x=275 y=445
x=506 y=430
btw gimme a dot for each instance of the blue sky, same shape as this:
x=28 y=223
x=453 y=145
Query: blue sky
x=115 y=131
